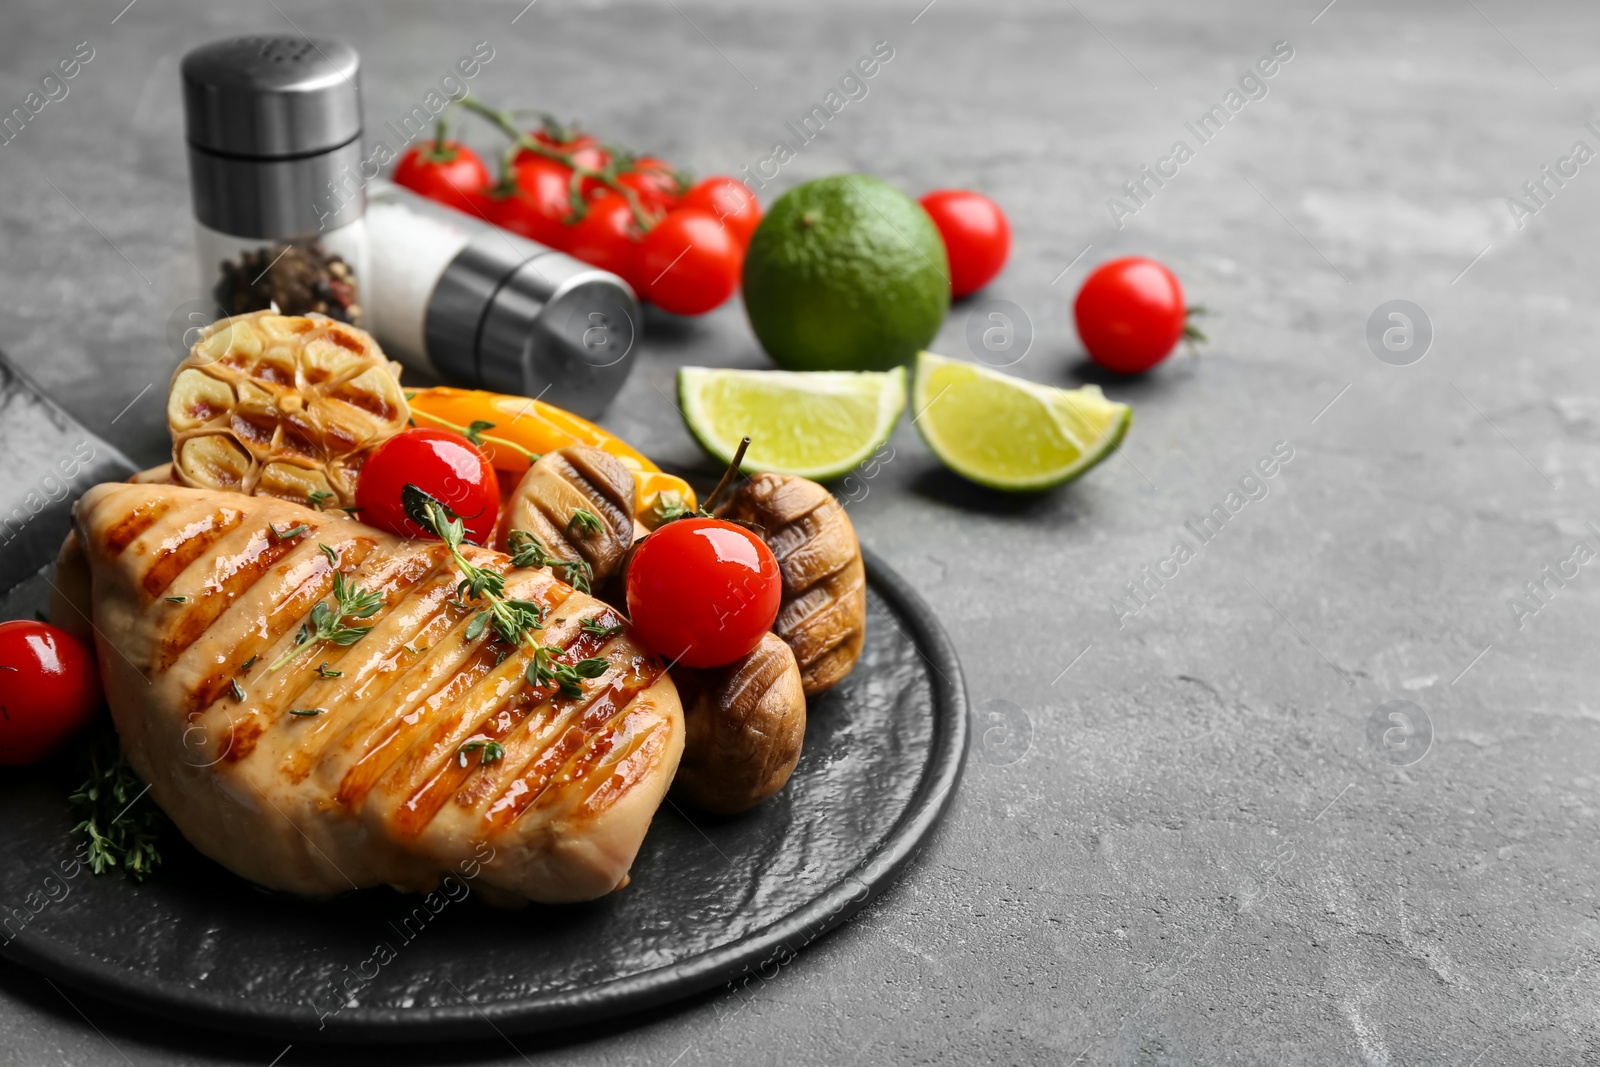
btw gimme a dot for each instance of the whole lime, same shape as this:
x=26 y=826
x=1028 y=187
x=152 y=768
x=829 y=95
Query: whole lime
x=845 y=273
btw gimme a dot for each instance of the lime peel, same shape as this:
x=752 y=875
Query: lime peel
x=1008 y=433
x=815 y=424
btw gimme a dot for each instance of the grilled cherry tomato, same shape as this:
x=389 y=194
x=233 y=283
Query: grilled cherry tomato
x=703 y=591
x=607 y=236
x=730 y=200
x=976 y=236
x=690 y=262
x=442 y=464
x=49 y=689
x=539 y=205
x=1130 y=314
x=446 y=171
x=654 y=182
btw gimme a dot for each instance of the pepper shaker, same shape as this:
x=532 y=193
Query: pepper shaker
x=463 y=300
x=274 y=132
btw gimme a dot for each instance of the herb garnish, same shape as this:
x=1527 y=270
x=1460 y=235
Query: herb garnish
x=305 y=711
x=667 y=506
x=322 y=669
x=328 y=624
x=592 y=626
x=586 y=522
x=174 y=599
x=528 y=551
x=284 y=535
x=513 y=620
x=317 y=496
x=122 y=824
x=238 y=690
x=474 y=432
x=489 y=752
x=244 y=668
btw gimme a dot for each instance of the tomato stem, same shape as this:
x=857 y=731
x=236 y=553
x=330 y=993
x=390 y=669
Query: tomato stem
x=1192 y=333
x=522 y=142
x=728 y=476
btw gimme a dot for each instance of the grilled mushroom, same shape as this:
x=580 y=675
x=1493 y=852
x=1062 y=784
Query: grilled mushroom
x=743 y=727
x=823 y=616
x=578 y=502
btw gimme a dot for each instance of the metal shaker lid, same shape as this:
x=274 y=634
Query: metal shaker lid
x=271 y=97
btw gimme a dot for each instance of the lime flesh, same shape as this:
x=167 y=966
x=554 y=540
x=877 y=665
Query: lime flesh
x=818 y=425
x=1008 y=433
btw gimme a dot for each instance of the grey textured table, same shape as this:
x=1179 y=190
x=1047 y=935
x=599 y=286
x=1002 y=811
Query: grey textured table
x=1178 y=841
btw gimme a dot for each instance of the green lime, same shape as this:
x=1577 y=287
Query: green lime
x=1008 y=433
x=817 y=424
x=845 y=273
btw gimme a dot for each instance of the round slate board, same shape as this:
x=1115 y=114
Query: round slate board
x=711 y=900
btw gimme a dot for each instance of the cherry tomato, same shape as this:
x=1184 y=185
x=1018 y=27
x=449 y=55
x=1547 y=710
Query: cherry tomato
x=607 y=236
x=582 y=149
x=654 y=182
x=730 y=200
x=539 y=206
x=976 y=236
x=1130 y=314
x=703 y=591
x=690 y=263
x=442 y=464
x=49 y=689
x=446 y=171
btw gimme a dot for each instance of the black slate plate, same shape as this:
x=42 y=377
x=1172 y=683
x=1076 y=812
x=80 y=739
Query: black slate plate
x=713 y=901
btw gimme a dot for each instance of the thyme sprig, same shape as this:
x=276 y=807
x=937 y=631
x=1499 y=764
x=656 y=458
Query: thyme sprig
x=121 y=823
x=528 y=551
x=333 y=623
x=514 y=621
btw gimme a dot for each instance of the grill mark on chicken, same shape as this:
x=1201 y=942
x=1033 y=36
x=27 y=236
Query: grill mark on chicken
x=431 y=772
x=186 y=544
x=632 y=767
x=132 y=526
x=233 y=577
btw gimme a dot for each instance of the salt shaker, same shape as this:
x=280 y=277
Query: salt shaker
x=274 y=132
x=461 y=299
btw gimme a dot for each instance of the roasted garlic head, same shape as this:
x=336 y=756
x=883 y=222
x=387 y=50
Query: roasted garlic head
x=282 y=405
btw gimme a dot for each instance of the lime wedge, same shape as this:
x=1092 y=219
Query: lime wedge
x=1008 y=433
x=817 y=424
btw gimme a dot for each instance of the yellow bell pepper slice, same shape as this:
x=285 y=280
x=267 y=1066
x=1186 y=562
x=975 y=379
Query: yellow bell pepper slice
x=516 y=430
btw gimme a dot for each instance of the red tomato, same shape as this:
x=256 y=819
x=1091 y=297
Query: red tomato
x=582 y=149
x=49 y=689
x=730 y=200
x=976 y=236
x=539 y=207
x=690 y=263
x=442 y=464
x=446 y=171
x=703 y=591
x=607 y=236
x=655 y=183
x=1130 y=314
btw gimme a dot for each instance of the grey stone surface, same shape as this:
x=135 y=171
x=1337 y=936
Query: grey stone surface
x=1181 y=847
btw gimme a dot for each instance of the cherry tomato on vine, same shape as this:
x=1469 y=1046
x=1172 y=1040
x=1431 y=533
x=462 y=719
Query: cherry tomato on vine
x=976 y=235
x=607 y=236
x=1130 y=314
x=442 y=464
x=49 y=689
x=539 y=205
x=654 y=182
x=582 y=150
x=690 y=263
x=730 y=200
x=703 y=591
x=446 y=171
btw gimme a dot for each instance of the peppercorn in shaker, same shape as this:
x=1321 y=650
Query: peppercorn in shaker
x=274 y=131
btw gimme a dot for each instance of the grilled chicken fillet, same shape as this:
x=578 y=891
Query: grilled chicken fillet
x=197 y=593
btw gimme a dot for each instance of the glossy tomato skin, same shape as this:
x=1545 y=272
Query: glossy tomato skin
x=582 y=150
x=976 y=235
x=607 y=236
x=728 y=199
x=702 y=591
x=49 y=690
x=446 y=171
x=690 y=262
x=1130 y=314
x=654 y=182
x=442 y=464
x=540 y=204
